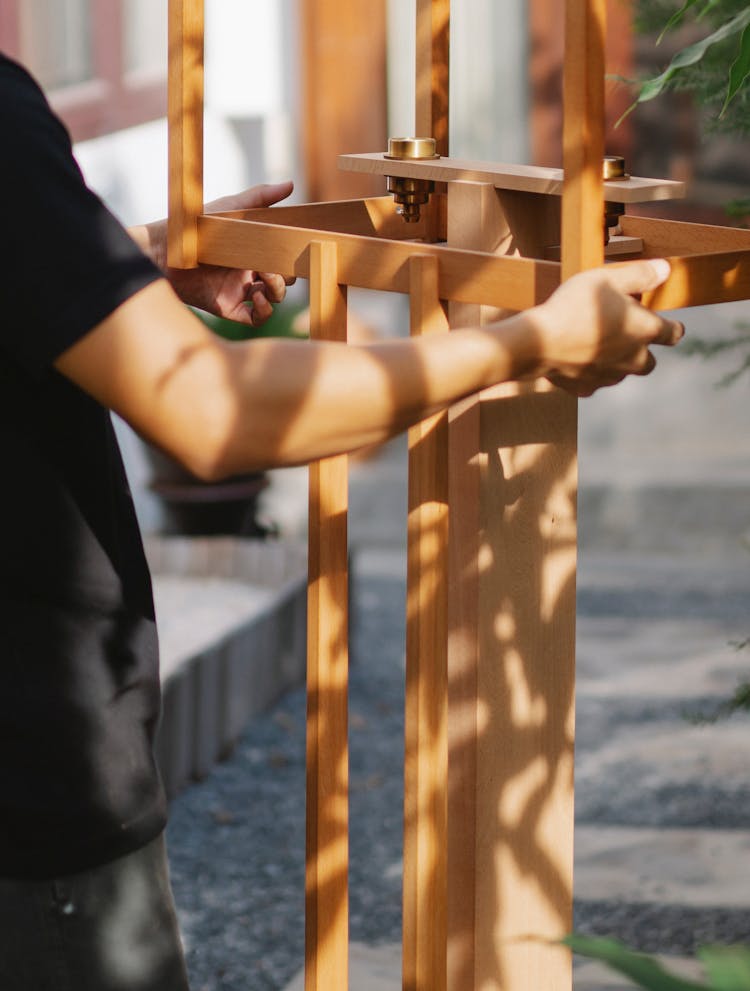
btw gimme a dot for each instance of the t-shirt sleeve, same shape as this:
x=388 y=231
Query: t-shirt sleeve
x=66 y=263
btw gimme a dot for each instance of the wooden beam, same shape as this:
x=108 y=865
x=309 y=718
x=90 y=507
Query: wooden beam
x=700 y=280
x=673 y=237
x=343 y=91
x=426 y=749
x=476 y=219
x=370 y=263
x=583 y=136
x=372 y=217
x=326 y=876
x=524 y=178
x=433 y=69
x=185 y=111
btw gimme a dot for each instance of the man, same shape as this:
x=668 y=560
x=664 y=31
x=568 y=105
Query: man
x=91 y=324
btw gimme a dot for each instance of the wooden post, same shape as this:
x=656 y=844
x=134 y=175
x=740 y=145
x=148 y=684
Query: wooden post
x=326 y=882
x=341 y=42
x=511 y=617
x=583 y=136
x=186 y=20
x=433 y=51
x=426 y=749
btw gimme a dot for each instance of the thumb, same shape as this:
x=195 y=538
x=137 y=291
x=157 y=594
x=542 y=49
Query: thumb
x=249 y=199
x=267 y=194
x=638 y=276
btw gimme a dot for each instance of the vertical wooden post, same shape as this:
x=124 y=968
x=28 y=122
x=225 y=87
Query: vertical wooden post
x=431 y=117
x=433 y=51
x=426 y=748
x=476 y=221
x=583 y=136
x=326 y=882
x=342 y=41
x=511 y=649
x=186 y=19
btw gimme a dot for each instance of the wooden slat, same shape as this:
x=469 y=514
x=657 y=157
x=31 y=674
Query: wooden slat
x=583 y=136
x=326 y=886
x=372 y=217
x=524 y=178
x=433 y=59
x=672 y=237
x=700 y=280
x=426 y=749
x=186 y=18
x=343 y=93
x=465 y=276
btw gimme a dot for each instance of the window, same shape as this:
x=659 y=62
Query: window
x=103 y=63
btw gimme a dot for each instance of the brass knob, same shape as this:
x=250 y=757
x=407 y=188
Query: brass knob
x=411 y=148
x=613 y=167
x=410 y=194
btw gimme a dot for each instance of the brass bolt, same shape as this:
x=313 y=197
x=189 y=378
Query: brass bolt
x=613 y=167
x=410 y=195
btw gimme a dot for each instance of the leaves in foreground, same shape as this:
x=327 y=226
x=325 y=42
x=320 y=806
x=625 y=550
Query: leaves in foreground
x=726 y=968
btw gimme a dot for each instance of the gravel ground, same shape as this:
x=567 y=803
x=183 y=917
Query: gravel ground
x=237 y=839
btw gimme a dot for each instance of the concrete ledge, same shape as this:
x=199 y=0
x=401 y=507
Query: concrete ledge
x=232 y=621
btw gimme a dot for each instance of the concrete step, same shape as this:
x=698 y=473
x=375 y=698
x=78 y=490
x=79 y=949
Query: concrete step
x=232 y=629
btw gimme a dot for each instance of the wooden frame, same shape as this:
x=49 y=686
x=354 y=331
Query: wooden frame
x=488 y=840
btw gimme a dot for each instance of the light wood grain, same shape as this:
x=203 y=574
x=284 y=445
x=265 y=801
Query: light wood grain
x=370 y=263
x=372 y=217
x=185 y=111
x=671 y=237
x=341 y=101
x=432 y=72
x=502 y=175
x=476 y=219
x=426 y=748
x=326 y=876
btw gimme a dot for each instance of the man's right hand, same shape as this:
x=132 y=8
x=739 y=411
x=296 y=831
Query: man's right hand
x=594 y=332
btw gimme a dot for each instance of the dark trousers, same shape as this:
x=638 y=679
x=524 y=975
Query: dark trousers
x=112 y=928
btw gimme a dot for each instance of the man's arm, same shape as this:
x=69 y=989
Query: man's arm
x=225 y=407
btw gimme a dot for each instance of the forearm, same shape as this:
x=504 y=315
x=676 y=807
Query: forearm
x=299 y=402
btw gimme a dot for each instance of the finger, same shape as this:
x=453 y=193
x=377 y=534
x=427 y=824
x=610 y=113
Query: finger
x=268 y=194
x=670 y=332
x=273 y=285
x=646 y=364
x=638 y=276
x=261 y=310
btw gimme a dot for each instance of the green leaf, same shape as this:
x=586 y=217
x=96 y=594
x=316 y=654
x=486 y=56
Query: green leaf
x=676 y=18
x=644 y=971
x=727 y=967
x=739 y=71
x=651 y=88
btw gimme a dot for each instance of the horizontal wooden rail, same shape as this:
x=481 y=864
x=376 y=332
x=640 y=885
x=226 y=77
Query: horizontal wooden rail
x=524 y=178
x=372 y=263
x=675 y=237
x=372 y=217
x=512 y=283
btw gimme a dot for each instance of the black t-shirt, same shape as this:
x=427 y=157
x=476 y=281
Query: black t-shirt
x=79 y=689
